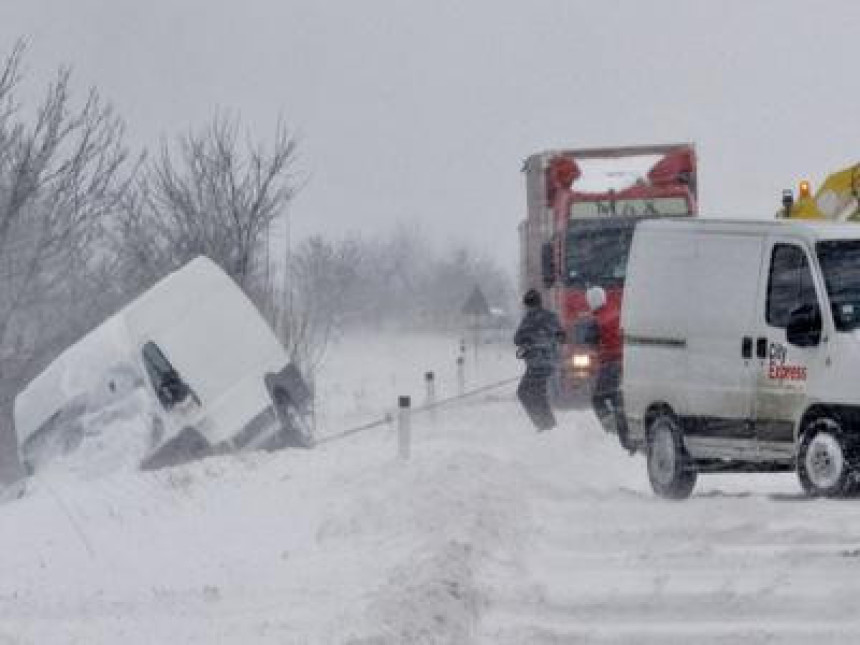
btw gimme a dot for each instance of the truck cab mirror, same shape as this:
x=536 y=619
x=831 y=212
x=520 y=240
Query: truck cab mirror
x=804 y=326
x=547 y=264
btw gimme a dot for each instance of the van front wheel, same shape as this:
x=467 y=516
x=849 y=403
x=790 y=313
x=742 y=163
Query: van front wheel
x=822 y=464
x=670 y=469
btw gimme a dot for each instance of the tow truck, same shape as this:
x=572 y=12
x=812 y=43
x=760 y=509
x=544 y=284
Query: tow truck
x=837 y=199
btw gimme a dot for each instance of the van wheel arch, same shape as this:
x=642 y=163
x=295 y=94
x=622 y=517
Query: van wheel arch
x=846 y=416
x=814 y=414
x=296 y=431
x=654 y=411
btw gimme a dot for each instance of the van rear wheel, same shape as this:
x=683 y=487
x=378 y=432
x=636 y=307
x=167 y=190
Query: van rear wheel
x=823 y=467
x=296 y=429
x=670 y=469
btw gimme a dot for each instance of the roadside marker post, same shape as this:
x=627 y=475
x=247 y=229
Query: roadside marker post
x=461 y=375
x=430 y=401
x=404 y=427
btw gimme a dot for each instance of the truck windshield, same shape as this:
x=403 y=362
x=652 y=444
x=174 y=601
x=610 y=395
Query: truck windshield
x=840 y=264
x=597 y=251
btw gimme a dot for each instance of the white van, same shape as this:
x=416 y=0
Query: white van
x=742 y=351
x=192 y=357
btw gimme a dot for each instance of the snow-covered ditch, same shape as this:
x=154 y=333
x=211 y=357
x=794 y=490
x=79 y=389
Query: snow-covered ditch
x=489 y=534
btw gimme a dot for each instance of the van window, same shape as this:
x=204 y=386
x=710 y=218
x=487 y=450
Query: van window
x=840 y=266
x=168 y=385
x=790 y=284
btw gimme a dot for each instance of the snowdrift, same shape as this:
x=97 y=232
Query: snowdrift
x=489 y=534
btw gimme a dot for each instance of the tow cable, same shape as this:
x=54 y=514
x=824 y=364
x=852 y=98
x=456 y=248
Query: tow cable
x=389 y=417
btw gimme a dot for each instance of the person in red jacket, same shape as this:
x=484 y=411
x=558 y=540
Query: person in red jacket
x=606 y=397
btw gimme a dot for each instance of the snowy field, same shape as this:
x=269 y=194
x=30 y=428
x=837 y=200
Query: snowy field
x=490 y=533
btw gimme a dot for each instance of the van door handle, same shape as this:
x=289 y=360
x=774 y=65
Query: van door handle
x=746 y=347
x=761 y=347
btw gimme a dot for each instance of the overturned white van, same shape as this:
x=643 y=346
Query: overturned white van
x=742 y=351
x=191 y=357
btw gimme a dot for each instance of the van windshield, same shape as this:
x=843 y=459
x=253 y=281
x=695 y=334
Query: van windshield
x=840 y=264
x=597 y=251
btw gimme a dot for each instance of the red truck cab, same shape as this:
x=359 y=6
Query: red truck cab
x=583 y=206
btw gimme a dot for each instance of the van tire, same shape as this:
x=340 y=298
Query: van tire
x=823 y=466
x=296 y=429
x=670 y=469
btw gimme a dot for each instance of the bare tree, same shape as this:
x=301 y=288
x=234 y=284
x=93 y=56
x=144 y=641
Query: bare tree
x=60 y=176
x=406 y=281
x=392 y=273
x=210 y=197
x=320 y=294
x=394 y=281
x=451 y=279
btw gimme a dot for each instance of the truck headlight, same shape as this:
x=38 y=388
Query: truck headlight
x=581 y=361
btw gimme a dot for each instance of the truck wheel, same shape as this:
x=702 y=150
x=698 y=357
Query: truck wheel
x=822 y=463
x=670 y=469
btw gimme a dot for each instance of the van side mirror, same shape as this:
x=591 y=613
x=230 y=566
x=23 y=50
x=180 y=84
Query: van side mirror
x=547 y=264
x=804 y=326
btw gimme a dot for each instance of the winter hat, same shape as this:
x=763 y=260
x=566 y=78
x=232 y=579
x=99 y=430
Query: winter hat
x=595 y=297
x=532 y=298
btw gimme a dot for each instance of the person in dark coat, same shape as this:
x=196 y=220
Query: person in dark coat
x=537 y=340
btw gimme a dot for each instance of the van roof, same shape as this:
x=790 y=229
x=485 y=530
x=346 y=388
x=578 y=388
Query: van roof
x=812 y=230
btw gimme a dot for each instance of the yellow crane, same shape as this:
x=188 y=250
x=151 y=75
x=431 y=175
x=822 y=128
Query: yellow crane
x=837 y=199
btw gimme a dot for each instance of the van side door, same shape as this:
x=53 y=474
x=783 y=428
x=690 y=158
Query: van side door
x=782 y=369
x=721 y=311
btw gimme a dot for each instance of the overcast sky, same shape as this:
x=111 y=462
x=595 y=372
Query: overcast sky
x=422 y=112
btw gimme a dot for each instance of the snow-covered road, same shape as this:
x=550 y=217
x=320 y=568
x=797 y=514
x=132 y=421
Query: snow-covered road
x=489 y=534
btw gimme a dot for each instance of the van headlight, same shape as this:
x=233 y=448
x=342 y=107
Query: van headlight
x=581 y=361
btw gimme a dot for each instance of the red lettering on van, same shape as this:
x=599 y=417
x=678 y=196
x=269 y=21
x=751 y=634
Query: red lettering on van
x=787 y=372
